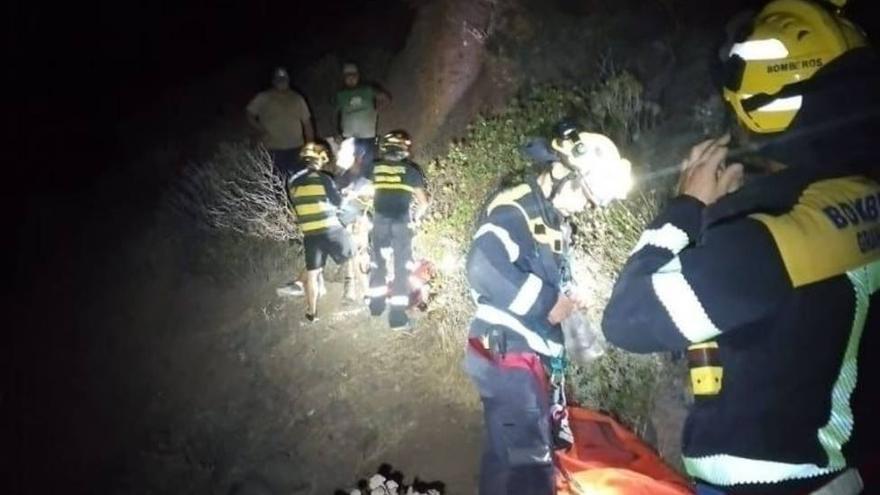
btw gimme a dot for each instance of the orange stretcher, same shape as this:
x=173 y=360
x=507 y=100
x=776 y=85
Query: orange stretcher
x=608 y=459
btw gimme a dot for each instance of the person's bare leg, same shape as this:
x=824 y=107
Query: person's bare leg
x=349 y=294
x=311 y=289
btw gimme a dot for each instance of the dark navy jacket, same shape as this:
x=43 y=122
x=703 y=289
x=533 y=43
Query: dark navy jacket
x=783 y=278
x=514 y=270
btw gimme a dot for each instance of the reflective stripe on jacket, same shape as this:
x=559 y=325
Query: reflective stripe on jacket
x=394 y=183
x=784 y=278
x=514 y=270
x=314 y=200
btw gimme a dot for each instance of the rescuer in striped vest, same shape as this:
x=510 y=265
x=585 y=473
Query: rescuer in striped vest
x=315 y=202
x=399 y=200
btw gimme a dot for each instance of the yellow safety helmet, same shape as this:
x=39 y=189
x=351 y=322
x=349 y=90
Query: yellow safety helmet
x=596 y=162
x=397 y=142
x=790 y=40
x=314 y=155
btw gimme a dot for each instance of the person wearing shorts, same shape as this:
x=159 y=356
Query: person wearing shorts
x=334 y=244
x=315 y=201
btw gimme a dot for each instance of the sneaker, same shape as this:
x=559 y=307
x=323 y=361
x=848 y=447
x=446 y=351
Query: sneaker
x=398 y=321
x=293 y=289
x=377 y=306
x=405 y=328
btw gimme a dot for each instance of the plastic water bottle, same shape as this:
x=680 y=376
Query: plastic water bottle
x=583 y=343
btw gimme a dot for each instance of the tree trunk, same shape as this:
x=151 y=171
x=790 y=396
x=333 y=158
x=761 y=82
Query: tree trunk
x=442 y=58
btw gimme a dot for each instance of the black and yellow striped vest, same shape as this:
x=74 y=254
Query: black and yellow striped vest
x=308 y=198
x=391 y=177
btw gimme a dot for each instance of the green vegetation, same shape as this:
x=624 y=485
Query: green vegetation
x=235 y=198
x=619 y=382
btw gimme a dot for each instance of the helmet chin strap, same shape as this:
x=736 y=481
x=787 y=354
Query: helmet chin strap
x=573 y=175
x=557 y=185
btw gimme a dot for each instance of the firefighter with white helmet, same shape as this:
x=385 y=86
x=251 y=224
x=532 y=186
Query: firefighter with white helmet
x=519 y=273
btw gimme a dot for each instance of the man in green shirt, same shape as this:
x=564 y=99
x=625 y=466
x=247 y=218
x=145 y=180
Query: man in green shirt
x=358 y=106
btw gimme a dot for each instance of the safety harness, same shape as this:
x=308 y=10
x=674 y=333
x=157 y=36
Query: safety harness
x=553 y=369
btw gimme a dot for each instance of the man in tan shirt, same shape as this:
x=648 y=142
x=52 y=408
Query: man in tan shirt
x=282 y=117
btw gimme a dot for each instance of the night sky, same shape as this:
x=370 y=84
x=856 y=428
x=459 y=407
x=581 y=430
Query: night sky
x=85 y=67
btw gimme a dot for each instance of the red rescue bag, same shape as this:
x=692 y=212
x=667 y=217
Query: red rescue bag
x=608 y=459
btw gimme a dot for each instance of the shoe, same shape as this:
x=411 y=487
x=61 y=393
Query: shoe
x=311 y=318
x=406 y=328
x=377 y=306
x=293 y=289
x=398 y=320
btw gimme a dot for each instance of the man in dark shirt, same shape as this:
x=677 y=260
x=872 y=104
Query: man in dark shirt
x=399 y=186
x=315 y=202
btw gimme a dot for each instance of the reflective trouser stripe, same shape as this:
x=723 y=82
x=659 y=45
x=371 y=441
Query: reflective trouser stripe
x=380 y=291
x=399 y=300
x=394 y=236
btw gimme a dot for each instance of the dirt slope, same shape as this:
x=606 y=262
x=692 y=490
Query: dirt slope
x=225 y=384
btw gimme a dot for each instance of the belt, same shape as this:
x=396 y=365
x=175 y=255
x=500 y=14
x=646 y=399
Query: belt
x=529 y=361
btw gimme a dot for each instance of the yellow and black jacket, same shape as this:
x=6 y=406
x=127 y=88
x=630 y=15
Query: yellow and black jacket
x=394 y=182
x=778 y=285
x=314 y=200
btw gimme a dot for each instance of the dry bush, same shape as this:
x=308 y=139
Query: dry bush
x=619 y=382
x=710 y=115
x=606 y=235
x=617 y=105
x=237 y=191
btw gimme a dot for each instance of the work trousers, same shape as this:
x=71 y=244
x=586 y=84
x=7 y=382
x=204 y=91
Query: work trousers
x=517 y=455
x=394 y=237
x=365 y=148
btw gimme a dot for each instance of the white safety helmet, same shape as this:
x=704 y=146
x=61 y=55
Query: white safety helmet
x=595 y=162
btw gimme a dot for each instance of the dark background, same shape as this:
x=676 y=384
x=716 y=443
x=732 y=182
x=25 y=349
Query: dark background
x=80 y=72
x=86 y=67
x=82 y=68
